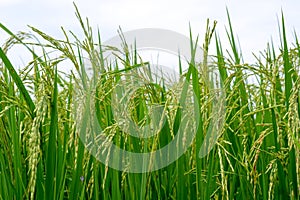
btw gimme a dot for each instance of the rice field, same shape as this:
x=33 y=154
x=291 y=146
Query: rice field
x=44 y=152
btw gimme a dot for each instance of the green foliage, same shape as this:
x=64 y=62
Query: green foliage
x=42 y=156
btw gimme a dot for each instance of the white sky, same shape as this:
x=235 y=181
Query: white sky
x=254 y=21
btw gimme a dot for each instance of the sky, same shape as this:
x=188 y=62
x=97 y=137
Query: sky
x=255 y=22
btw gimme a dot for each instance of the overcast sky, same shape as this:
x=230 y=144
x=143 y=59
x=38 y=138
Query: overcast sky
x=254 y=21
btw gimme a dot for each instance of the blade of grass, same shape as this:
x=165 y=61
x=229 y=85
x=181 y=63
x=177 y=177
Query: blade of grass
x=18 y=82
x=288 y=83
x=51 y=160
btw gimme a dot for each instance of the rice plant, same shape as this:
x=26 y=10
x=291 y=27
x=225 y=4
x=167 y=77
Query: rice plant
x=43 y=153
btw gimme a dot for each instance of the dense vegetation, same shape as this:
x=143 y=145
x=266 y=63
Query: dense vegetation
x=42 y=156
